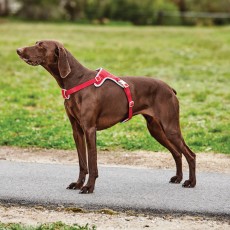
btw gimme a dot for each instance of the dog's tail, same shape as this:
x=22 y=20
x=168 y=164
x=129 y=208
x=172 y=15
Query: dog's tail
x=174 y=91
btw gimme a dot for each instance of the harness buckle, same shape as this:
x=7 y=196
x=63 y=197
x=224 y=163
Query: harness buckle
x=123 y=83
x=98 y=78
x=63 y=91
x=131 y=104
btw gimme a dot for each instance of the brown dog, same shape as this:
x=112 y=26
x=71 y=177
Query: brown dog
x=93 y=109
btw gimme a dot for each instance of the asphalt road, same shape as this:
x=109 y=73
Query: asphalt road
x=117 y=188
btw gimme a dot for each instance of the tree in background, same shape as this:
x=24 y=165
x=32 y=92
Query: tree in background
x=214 y=6
x=75 y=9
x=98 y=9
x=162 y=6
x=147 y=12
x=135 y=11
x=4 y=8
x=182 y=7
x=40 y=10
x=209 y=6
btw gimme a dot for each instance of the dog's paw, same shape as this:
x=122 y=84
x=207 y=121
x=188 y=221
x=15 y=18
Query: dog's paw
x=75 y=186
x=86 y=189
x=176 y=179
x=189 y=184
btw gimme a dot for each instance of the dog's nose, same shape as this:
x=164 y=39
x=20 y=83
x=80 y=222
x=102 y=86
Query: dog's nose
x=20 y=51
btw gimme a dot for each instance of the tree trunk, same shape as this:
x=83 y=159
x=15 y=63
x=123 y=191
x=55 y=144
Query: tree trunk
x=4 y=8
x=181 y=4
x=183 y=9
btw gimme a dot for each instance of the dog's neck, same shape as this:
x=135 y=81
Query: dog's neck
x=78 y=74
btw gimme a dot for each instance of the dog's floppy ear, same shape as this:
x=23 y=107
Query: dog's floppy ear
x=63 y=64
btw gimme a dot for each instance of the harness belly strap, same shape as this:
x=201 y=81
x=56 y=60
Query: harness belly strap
x=98 y=81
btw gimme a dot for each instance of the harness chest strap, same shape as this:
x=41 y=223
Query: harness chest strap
x=100 y=78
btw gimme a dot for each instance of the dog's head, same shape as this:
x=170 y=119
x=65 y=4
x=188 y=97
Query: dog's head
x=46 y=53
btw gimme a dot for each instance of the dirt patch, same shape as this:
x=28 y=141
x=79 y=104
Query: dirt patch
x=37 y=215
x=206 y=162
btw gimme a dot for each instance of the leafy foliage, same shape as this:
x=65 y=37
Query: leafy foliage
x=148 y=12
x=40 y=10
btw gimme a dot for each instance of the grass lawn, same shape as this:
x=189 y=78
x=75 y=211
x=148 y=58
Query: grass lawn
x=51 y=226
x=194 y=61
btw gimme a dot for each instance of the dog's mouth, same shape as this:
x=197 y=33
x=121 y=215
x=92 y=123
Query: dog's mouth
x=29 y=62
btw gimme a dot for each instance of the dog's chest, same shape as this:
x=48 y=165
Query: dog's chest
x=73 y=107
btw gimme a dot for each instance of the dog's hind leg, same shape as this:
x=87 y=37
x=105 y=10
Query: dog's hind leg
x=192 y=168
x=169 y=135
x=171 y=126
x=156 y=130
x=178 y=141
x=164 y=125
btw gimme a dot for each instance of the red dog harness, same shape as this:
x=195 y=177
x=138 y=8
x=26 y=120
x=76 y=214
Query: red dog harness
x=103 y=75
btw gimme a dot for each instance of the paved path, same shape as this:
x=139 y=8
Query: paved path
x=117 y=188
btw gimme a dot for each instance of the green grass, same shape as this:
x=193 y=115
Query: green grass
x=195 y=61
x=51 y=226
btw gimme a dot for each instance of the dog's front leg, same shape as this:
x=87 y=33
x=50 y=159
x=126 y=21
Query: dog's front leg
x=90 y=135
x=79 y=139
